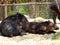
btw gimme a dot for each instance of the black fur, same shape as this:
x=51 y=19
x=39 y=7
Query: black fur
x=13 y=25
x=55 y=11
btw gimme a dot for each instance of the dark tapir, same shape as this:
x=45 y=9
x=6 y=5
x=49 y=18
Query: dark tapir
x=13 y=25
x=55 y=10
x=41 y=27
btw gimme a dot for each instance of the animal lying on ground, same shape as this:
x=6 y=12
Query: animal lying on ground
x=13 y=25
x=17 y=24
x=41 y=27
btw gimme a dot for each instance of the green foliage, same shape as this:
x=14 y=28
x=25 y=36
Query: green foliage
x=44 y=11
x=23 y=10
x=10 y=11
x=57 y=36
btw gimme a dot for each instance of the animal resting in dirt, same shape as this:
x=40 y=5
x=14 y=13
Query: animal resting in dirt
x=41 y=27
x=13 y=25
x=17 y=24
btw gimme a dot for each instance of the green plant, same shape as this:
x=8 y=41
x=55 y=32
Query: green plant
x=57 y=36
x=10 y=11
x=23 y=10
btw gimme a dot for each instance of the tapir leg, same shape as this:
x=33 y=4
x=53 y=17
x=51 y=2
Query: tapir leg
x=54 y=18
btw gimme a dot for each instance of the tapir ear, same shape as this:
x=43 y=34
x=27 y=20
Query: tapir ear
x=48 y=22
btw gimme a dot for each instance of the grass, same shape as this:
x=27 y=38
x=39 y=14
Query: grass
x=57 y=36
